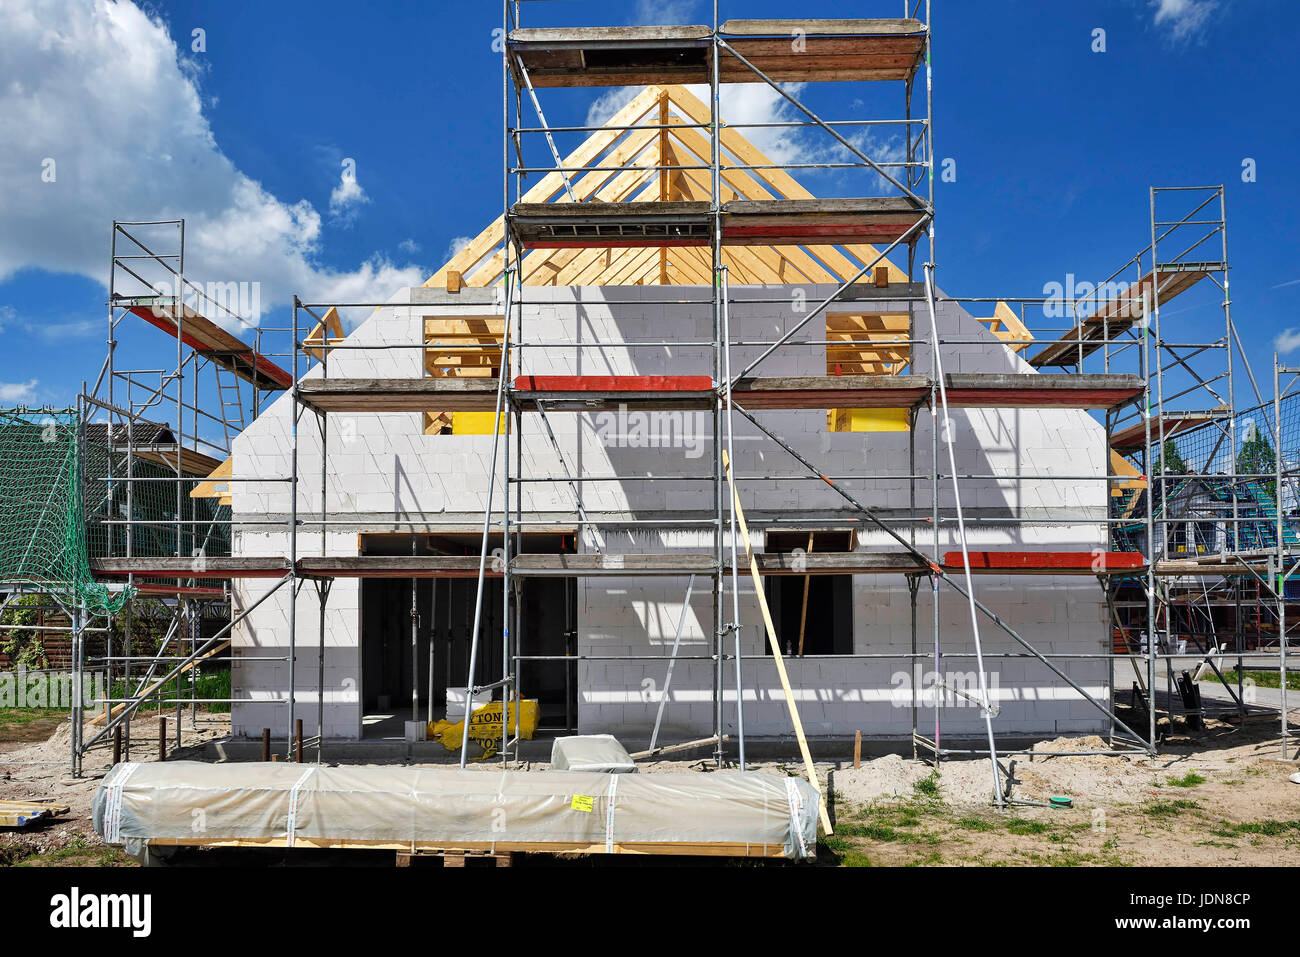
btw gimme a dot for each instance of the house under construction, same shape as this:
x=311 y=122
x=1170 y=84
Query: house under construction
x=686 y=453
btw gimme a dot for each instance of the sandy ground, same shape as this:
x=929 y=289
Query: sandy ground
x=41 y=771
x=1218 y=798
x=1221 y=799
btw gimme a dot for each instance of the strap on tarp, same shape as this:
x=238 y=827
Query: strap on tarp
x=292 y=822
x=609 y=814
x=113 y=802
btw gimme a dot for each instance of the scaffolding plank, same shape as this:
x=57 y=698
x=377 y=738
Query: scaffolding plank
x=1134 y=437
x=980 y=390
x=832 y=392
x=605 y=224
x=1116 y=316
x=879 y=27
x=583 y=393
x=872 y=219
x=211 y=341
x=828 y=50
x=203 y=567
x=394 y=566
x=539 y=564
x=469 y=394
x=1050 y=563
x=744 y=222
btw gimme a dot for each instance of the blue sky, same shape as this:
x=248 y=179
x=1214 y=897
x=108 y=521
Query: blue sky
x=1055 y=146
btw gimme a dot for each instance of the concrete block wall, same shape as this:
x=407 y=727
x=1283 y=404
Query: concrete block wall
x=382 y=469
x=263 y=637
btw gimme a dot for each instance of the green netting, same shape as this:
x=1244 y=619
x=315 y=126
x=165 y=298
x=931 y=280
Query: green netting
x=42 y=531
x=151 y=502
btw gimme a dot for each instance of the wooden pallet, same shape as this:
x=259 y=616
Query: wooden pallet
x=497 y=848
x=454 y=857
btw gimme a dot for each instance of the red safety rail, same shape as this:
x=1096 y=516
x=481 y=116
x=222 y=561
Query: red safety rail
x=614 y=383
x=206 y=337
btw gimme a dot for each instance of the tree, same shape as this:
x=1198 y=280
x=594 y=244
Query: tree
x=1256 y=457
x=1171 y=460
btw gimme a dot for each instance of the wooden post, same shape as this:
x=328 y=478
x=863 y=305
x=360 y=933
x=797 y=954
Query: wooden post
x=857 y=750
x=266 y=744
x=297 y=740
x=803 y=614
x=777 y=658
x=162 y=739
x=117 y=745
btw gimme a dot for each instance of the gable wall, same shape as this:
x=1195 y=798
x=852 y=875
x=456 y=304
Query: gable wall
x=382 y=465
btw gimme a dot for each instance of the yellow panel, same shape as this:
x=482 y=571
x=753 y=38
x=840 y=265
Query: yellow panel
x=475 y=423
x=867 y=420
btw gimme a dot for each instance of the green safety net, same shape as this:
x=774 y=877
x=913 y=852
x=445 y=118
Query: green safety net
x=42 y=531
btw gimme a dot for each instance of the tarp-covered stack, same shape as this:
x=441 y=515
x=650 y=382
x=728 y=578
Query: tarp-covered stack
x=292 y=805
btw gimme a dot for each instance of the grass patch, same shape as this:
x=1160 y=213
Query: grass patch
x=1261 y=679
x=215 y=684
x=1170 y=808
x=928 y=787
x=1266 y=828
x=976 y=824
x=834 y=842
x=933 y=859
x=1021 y=825
x=1188 y=780
x=877 y=832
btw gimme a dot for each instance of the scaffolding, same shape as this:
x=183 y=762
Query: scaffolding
x=139 y=492
x=690 y=223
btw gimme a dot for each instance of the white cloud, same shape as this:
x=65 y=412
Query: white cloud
x=664 y=12
x=97 y=87
x=1184 y=18
x=608 y=103
x=346 y=196
x=17 y=391
x=1288 y=340
x=456 y=245
x=409 y=246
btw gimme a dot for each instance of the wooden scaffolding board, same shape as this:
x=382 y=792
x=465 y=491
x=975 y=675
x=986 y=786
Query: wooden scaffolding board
x=829 y=50
x=1116 y=316
x=212 y=342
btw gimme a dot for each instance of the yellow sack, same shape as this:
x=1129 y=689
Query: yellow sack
x=485 y=727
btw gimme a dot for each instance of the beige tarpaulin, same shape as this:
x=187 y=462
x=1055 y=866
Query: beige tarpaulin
x=188 y=802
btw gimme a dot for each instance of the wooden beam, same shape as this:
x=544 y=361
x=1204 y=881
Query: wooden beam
x=154 y=686
x=803 y=612
x=777 y=657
